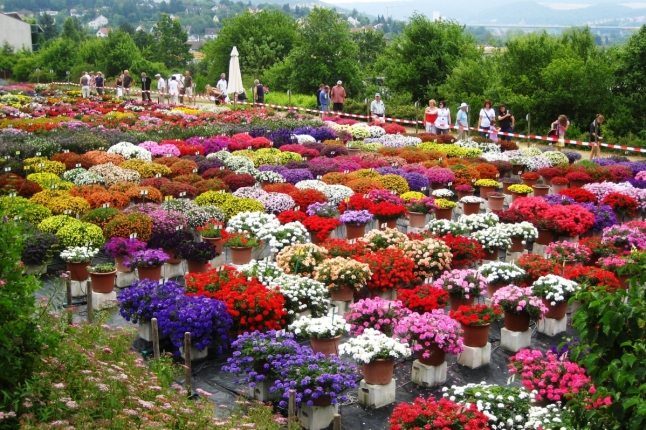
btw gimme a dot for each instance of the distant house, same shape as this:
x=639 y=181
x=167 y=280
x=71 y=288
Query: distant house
x=253 y=9
x=353 y=22
x=102 y=32
x=215 y=18
x=211 y=33
x=194 y=46
x=76 y=13
x=50 y=12
x=23 y=13
x=187 y=28
x=193 y=37
x=98 y=22
x=193 y=9
x=141 y=28
x=220 y=7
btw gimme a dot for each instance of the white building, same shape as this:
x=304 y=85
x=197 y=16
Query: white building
x=17 y=32
x=211 y=33
x=98 y=22
x=50 y=12
x=353 y=22
x=102 y=32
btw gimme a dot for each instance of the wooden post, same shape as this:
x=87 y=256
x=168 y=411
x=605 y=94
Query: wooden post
x=155 y=328
x=336 y=424
x=291 y=406
x=68 y=286
x=89 y=301
x=187 y=362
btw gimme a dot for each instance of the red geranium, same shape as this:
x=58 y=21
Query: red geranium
x=621 y=203
x=537 y=266
x=510 y=216
x=530 y=207
x=387 y=210
x=394 y=129
x=466 y=251
x=424 y=298
x=343 y=248
x=579 y=195
x=320 y=225
x=477 y=315
x=390 y=268
x=572 y=220
x=431 y=414
x=356 y=202
x=304 y=198
x=578 y=176
x=291 y=216
x=590 y=276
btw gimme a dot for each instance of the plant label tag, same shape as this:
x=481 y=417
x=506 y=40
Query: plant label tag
x=178 y=227
x=497 y=175
x=65 y=151
x=424 y=188
x=332 y=152
x=346 y=171
x=169 y=155
x=38 y=154
x=133 y=236
x=197 y=152
x=106 y=205
x=319 y=177
x=41 y=165
x=158 y=175
x=194 y=170
x=17 y=152
x=297 y=208
x=511 y=379
x=440 y=159
x=352 y=241
x=221 y=191
x=384 y=225
x=450 y=184
x=78 y=165
x=7 y=169
x=520 y=172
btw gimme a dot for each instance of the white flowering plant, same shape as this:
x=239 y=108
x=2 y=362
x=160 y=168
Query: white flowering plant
x=265 y=271
x=472 y=199
x=268 y=176
x=442 y=193
x=302 y=294
x=130 y=151
x=506 y=407
x=220 y=155
x=320 y=328
x=442 y=227
x=79 y=254
x=479 y=221
x=492 y=238
x=337 y=193
x=304 y=138
x=523 y=230
x=537 y=162
x=281 y=236
x=501 y=273
x=373 y=345
x=376 y=131
x=550 y=417
x=556 y=158
x=554 y=289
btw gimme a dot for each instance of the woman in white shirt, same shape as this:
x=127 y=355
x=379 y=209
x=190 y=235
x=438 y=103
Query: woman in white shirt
x=443 y=121
x=487 y=115
x=173 y=90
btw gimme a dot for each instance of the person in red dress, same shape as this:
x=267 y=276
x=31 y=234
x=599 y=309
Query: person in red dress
x=430 y=115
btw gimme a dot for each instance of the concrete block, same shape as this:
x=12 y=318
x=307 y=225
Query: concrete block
x=126 y=279
x=514 y=341
x=428 y=376
x=218 y=261
x=551 y=326
x=79 y=288
x=316 y=417
x=475 y=357
x=146 y=331
x=260 y=391
x=573 y=306
x=342 y=308
x=539 y=249
x=100 y=300
x=507 y=200
x=173 y=270
x=195 y=354
x=513 y=256
x=387 y=295
x=260 y=253
x=377 y=396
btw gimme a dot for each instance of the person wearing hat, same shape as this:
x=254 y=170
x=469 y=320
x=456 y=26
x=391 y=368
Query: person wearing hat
x=161 y=88
x=462 y=120
x=145 y=87
x=100 y=83
x=377 y=107
x=338 y=97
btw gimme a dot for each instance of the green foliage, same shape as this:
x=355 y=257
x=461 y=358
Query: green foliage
x=170 y=45
x=300 y=100
x=73 y=30
x=371 y=44
x=48 y=24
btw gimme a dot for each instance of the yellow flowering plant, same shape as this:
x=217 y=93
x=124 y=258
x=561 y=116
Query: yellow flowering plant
x=445 y=204
x=43 y=165
x=145 y=168
x=394 y=183
x=364 y=173
x=236 y=205
x=412 y=195
x=520 y=189
x=44 y=179
x=43 y=197
x=213 y=198
x=340 y=272
x=80 y=233
x=54 y=223
x=487 y=183
x=75 y=205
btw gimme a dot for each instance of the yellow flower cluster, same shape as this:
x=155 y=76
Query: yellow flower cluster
x=80 y=233
x=44 y=179
x=236 y=205
x=412 y=195
x=445 y=204
x=54 y=223
x=394 y=183
x=363 y=173
x=42 y=165
x=487 y=183
x=451 y=151
x=146 y=169
x=520 y=189
x=43 y=197
x=212 y=198
x=59 y=205
x=300 y=259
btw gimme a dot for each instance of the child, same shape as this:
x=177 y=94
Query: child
x=493 y=132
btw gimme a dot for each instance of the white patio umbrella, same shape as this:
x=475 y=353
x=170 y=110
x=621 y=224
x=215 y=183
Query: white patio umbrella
x=235 y=77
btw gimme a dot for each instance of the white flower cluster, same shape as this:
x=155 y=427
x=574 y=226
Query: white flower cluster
x=556 y=158
x=397 y=140
x=250 y=222
x=214 y=109
x=547 y=418
x=302 y=294
x=514 y=157
x=494 y=156
x=220 y=155
x=478 y=221
x=199 y=216
x=524 y=230
x=373 y=344
x=484 y=147
x=442 y=227
x=249 y=193
x=304 y=138
x=555 y=288
x=277 y=202
x=269 y=176
x=442 y=193
x=79 y=253
x=265 y=271
x=267 y=228
x=376 y=131
x=334 y=193
x=130 y=151
x=356 y=131
x=320 y=328
x=493 y=237
x=472 y=199
x=500 y=272
x=112 y=174
x=537 y=162
x=80 y=176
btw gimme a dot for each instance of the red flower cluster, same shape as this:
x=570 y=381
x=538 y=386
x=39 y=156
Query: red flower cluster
x=387 y=210
x=320 y=225
x=356 y=203
x=578 y=176
x=579 y=195
x=304 y=198
x=280 y=187
x=186 y=149
x=591 y=277
x=537 y=266
x=431 y=414
x=423 y=298
x=252 y=306
x=394 y=129
x=530 y=208
x=24 y=188
x=477 y=315
x=465 y=251
x=236 y=181
x=291 y=216
x=571 y=220
x=390 y=269
x=342 y=248
x=625 y=205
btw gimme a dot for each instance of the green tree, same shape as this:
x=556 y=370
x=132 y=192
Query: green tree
x=262 y=39
x=170 y=45
x=47 y=23
x=420 y=59
x=143 y=39
x=370 y=44
x=59 y=56
x=324 y=52
x=630 y=82
x=73 y=30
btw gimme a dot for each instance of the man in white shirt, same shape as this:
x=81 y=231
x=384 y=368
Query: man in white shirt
x=161 y=87
x=85 y=85
x=222 y=85
x=173 y=90
x=377 y=108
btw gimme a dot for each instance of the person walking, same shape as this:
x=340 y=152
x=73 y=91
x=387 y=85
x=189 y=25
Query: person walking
x=188 y=86
x=92 y=82
x=100 y=83
x=377 y=108
x=324 y=100
x=462 y=121
x=145 y=87
x=222 y=85
x=338 y=97
x=258 y=92
x=595 y=130
x=443 y=121
x=318 y=95
x=161 y=88
x=127 y=82
x=486 y=117
x=85 y=85
x=173 y=90
x=430 y=116
x=506 y=122
x=561 y=124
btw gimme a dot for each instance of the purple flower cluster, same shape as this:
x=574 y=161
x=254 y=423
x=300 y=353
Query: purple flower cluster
x=144 y=299
x=215 y=144
x=379 y=196
x=389 y=171
x=273 y=168
x=277 y=202
x=416 y=181
x=119 y=246
x=331 y=151
x=625 y=237
x=294 y=176
x=637 y=183
x=340 y=164
x=572 y=156
x=207 y=164
x=417 y=168
x=146 y=258
x=166 y=221
x=280 y=137
x=325 y=210
x=356 y=217
x=320 y=169
x=320 y=134
x=557 y=199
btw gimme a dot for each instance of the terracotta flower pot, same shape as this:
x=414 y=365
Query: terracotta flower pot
x=484 y=191
x=240 y=255
x=326 y=346
x=470 y=208
x=556 y=188
x=555 y=311
x=378 y=372
x=343 y=294
x=436 y=357
x=516 y=196
x=545 y=237
x=103 y=282
x=446 y=214
x=517 y=169
x=353 y=151
x=505 y=188
x=390 y=223
x=118 y=261
x=354 y=231
x=78 y=271
x=196 y=266
x=577 y=184
x=465 y=194
x=623 y=281
x=475 y=336
x=315 y=240
x=171 y=253
x=491 y=289
x=517 y=244
x=417 y=219
x=540 y=190
x=152 y=273
x=530 y=182
x=517 y=322
x=216 y=242
x=456 y=301
x=491 y=255
x=546 y=181
x=496 y=203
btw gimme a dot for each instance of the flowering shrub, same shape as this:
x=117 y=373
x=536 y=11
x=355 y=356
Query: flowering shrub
x=301 y=259
x=517 y=299
x=423 y=298
x=146 y=258
x=78 y=254
x=621 y=204
x=478 y=221
x=431 y=256
x=477 y=315
x=432 y=414
x=322 y=226
x=389 y=267
x=534 y=266
x=565 y=252
x=554 y=289
x=373 y=345
x=120 y=247
x=339 y=272
x=126 y=225
x=377 y=313
x=320 y=328
x=571 y=220
x=381 y=239
x=625 y=237
x=463 y=283
x=441 y=227
x=493 y=238
x=579 y=195
x=530 y=208
x=465 y=251
x=145 y=298
x=422 y=330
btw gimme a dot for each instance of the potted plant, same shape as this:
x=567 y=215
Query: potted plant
x=431 y=257
x=38 y=250
x=621 y=204
x=507 y=182
x=463 y=286
x=390 y=269
x=464 y=190
x=520 y=305
x=240 y=245
x=212 y=232
x=438 y=414
x=487 y=186
x=521 y=234
x=377 y=353
x=444 y=209
x=148 y=263
x=377 y=313
x=555 y=292
x=496 y=200
x=578 y=179
x=568 y=253
x=476 y=321
x=570 y=220
x=519 y=190
x=465 y=251
x=388 y=213
x=442 y=193
x=355 y=222
x=119 y=247
x=423 y=298
x=303 y=296
x=342 y=276
x=197 y=255
x=169 y=241
x=624 y=237
x=418 y=209
x=320 y=228
x=77 y=259
x=324 y=332
x=432 y=335
x=476 y=222
x=102 y=277
x=558 y=184
x=500 y=274
x=598 y=248
x=618 y=266
x=530 y=178
x=492 y=240
x=301 y=259
x=471 y=204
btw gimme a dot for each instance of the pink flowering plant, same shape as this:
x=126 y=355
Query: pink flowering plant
x=567 y=252
x=377 y=313
x=553 y=378
x=422 y=330
x=625 y=237
x=516 y=299
x=465 y=283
